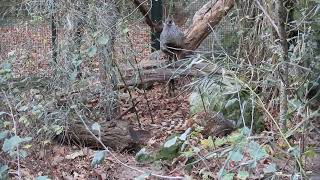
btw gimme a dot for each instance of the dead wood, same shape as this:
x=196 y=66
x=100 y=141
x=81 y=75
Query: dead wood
x=204 y=21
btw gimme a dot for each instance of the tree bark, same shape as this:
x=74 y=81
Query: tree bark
x=204 y=21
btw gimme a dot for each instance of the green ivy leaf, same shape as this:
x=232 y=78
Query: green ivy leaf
x=228 y=176
x=255 y=151
x=243 y=175
x=220 y=141
x=235 y=137
x=236 y=155
x=143 y=156
x=12 y=143
x=3 y=134
x=92 y=51
x=3 y=168
x=170 y=142
x=98 y=158
x=271 y=168
x=230 y=102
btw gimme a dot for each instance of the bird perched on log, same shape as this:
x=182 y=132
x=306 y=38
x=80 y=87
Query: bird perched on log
x=171 y=43
x=171 y=39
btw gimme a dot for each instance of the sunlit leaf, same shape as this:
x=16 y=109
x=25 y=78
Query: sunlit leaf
x=220 y=141
x=207 y=143
x=310 y=153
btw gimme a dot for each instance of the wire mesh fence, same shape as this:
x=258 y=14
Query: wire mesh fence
x=29 y=37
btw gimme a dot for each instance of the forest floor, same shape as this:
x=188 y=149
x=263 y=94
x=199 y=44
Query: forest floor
x=66 y=161
x=61 y=161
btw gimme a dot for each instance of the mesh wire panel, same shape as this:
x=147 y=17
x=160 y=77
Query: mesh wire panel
x=29 y=38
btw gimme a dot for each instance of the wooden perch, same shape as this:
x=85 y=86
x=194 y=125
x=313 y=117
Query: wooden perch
x=159 y=71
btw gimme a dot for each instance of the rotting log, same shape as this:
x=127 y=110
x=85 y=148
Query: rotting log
x=117 y=135
x=160 y=71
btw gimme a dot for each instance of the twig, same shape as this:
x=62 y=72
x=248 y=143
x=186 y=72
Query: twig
x=268 y=16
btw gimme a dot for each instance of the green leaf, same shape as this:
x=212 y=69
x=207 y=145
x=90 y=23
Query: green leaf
x=98 y=158
x=103 y=40
x=143 y=176
x=235 y=137
x=96 y=127
x=170 y=142
x=92 y=51
x=243 y=175
x=271 y=168
x=220 y=141
x=12 y=143
x=3 y=134
x=230 y=102
x=207 y=143
x=228 y=176
x=3 y=169
x=143 y=156
x=255 y=151
x=42 y=178
x=236 y=155
x=310 y=153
